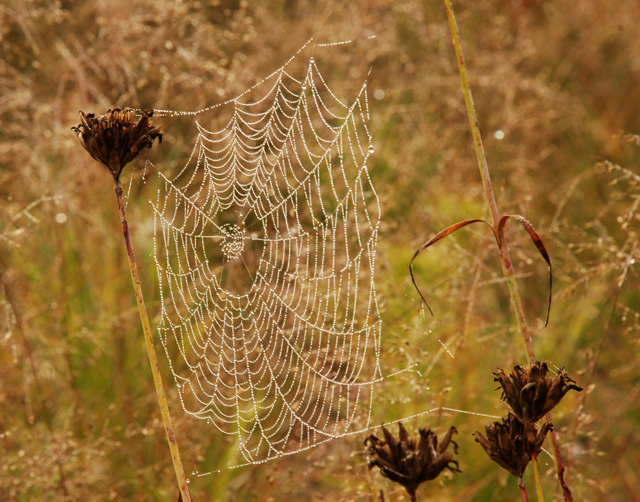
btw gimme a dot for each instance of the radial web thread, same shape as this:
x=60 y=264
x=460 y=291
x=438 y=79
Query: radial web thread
x=265 y=246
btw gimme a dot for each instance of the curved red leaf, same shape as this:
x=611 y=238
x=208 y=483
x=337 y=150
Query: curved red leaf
x=440 y=235
x=536 y=240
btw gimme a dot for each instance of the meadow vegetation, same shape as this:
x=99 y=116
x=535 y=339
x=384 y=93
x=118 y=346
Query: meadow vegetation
x=557 y=89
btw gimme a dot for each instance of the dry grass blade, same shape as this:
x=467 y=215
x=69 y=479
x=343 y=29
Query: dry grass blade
x=440 y=235
x=539 y=244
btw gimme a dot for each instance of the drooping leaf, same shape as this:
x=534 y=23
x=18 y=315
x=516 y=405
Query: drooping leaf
x=536 y=240
x=440 y=235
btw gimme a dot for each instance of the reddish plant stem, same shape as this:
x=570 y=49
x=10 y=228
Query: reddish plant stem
x=560 y=468
x=151 y=351
x=523 y=490
x=507 y=265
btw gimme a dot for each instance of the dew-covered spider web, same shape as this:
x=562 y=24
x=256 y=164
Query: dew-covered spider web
x=265 y=246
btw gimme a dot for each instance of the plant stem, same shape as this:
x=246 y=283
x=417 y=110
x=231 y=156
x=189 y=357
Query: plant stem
x=523 y=490
x=560 y=468
x=507 y=265
x=151 y=351
x=536 y=475
x=505 y=259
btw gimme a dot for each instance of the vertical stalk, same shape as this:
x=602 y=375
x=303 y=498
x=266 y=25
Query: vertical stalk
x=151 y=351
x=523 y=490
x=505 y=259
x=559 y=463
x=536 y=475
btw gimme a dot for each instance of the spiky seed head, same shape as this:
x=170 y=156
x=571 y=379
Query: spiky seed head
x=409 y=461
x=510 y=443
x=530 y=392
x=117 y=137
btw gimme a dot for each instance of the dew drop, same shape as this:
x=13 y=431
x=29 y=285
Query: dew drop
x=371 y=149
x=312 y=60
x=304 y=87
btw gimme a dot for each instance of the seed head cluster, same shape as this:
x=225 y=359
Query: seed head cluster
x=507 y=444
x=530 y=393
x=409 y=461
x=116 y=138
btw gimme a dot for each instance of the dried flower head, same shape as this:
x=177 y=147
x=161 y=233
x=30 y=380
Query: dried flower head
x=116 y=138
x=507 y=444
x=408 y=461
x=530 y=393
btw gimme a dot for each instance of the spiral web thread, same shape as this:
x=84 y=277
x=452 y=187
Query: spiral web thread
x=265 y=247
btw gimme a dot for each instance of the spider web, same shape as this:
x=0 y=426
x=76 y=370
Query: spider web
x=265 y=247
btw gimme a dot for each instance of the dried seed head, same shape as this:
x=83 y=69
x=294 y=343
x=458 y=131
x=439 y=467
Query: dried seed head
x=510 y=444
x=408 y=461
x=530 y=393
x=116 y=138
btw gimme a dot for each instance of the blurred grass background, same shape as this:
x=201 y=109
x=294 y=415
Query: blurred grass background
x=560 y=80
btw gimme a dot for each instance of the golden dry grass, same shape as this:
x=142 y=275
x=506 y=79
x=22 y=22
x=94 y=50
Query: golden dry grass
x=78 y=419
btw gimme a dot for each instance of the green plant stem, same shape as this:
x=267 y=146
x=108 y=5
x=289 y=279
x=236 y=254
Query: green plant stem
x=151 y=351
x=523 y=490
x=536 y=476
x=507 y=265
